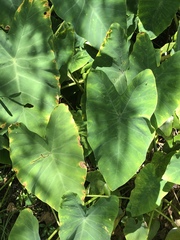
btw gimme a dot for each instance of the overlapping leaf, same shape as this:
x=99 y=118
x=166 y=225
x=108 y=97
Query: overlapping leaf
x=28 y=80
x=92 y=19
x=118 y=128
x=79 y=222
x=112 y=57
x=25 y=227
x=167 y=76
x=53 y=166
x=142 y=57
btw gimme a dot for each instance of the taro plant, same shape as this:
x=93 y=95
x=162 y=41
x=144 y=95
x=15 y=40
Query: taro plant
x=89 y=117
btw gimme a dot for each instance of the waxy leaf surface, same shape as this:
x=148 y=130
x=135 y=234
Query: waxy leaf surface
x=52 y=166
x=95 y=222
x=91 y=19
x=28 y=80
x=118 y=128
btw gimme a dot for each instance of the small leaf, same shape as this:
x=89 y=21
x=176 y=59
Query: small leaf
x=25 y=227
x=14 y=95
x=135 y=230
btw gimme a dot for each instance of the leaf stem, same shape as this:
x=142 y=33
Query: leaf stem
x=172 y=222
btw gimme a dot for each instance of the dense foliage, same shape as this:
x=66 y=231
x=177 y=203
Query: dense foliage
x=89 y=119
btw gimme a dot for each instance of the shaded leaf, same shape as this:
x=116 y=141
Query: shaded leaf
x=91 y=19
x=157 y=16
x=52 y=166
x=114 y=120
x=135 y=230
x=95 y=222
x=25 y=227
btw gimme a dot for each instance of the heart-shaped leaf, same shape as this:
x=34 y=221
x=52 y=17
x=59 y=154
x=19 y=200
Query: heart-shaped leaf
x=27 y=67
x=79 y=222
x=118 y=127
x=52 y=166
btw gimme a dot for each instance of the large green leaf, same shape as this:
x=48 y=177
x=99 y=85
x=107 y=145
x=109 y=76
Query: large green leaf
x=112 y=57
x=26 y=227
x=79 y=222
x=157 y=15
x=92 y=19
x=168 y=85
x=28 y=80
x=118 y=127
x=52 y=166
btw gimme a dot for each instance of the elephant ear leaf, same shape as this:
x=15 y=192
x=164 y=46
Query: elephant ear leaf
x=118 y=126
x=52 y=166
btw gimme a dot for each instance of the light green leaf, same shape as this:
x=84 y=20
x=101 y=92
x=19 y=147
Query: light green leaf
x=156 y=16
x=118 y=128
x=112 y=57
x=172 y=173
x=28 y=69
x=26 y=227
x=52 y=166
x=92 y=19
x=79 y=222
x=168 y=85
